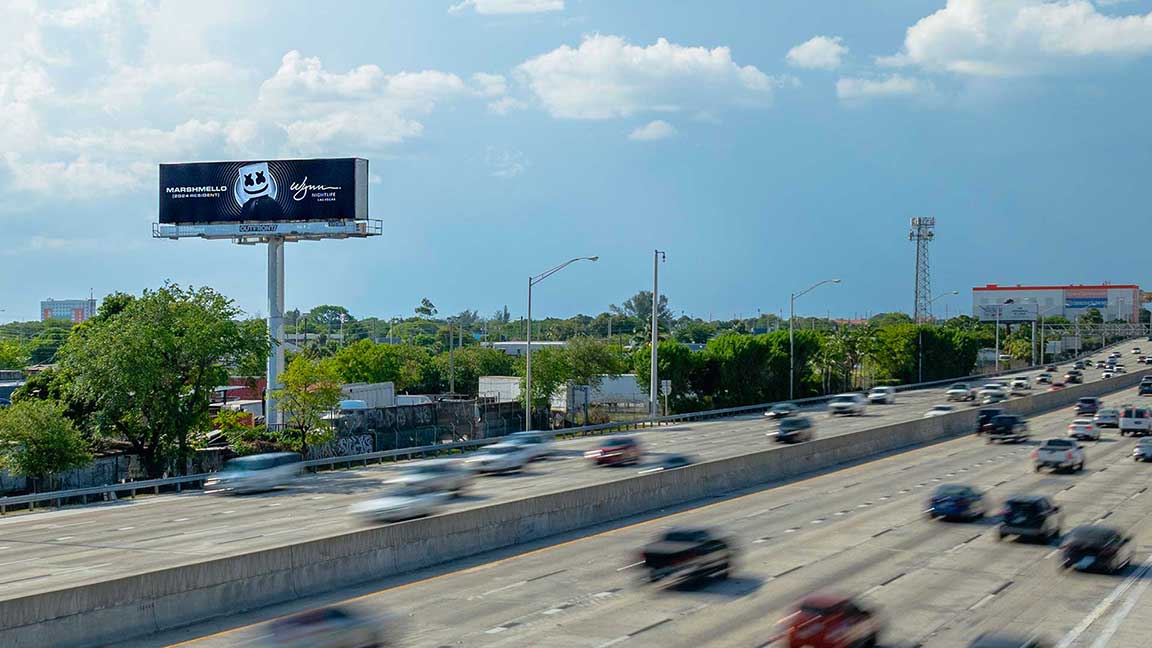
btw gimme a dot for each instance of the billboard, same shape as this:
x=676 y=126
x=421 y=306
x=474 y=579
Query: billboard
x=1081 y=298
x=269 y=191
x=1008 y=312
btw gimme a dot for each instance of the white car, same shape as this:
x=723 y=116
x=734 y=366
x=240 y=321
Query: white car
x=853 y=404
x=1044 y=379
x=1084 y=428
x=500 y=458
x=538 y=444
x=401 y=502
x=960 y=392
x=1021 y=385
x=443 y=475
x=939 y=410
x=1107 y=374
x=992 y=389
x=1119 y=368
x=882 y=395
x=256 y=473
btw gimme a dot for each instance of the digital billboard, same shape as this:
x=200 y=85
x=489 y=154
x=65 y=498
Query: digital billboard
x=264 y=191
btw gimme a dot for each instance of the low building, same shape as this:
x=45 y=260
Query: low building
x=517 y=348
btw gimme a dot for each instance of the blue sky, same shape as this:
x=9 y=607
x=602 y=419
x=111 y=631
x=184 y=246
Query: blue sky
x=764 y=145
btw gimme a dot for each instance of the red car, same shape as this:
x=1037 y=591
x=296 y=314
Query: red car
x=1056 y=387
x=615 y=451
x=831 y=621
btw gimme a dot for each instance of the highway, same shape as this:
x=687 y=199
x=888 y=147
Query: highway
x=859 y=530
x=53 y=549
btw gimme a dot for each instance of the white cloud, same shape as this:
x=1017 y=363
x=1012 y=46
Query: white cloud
x=818 y=53
x=895 y=85
x=490 y=85
x=505 y=163
x=498 y=7
x=1015 y=37
x=608 y=77
x=78 y=178
x=652 y=131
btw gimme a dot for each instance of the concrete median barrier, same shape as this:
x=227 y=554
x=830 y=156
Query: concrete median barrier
x=139 y=605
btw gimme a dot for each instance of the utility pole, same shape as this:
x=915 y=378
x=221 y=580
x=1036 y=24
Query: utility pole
x=653 y=380
x=451 y=360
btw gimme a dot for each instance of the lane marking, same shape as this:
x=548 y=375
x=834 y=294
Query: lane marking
x=1121 y=614
x=620 y=569
x=1103 y=606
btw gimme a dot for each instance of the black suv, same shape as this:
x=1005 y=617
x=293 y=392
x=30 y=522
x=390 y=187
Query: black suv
x=794 y=429
x=1032 y=517
x=1146 y=388
x=1088 y=405
x=984 y=418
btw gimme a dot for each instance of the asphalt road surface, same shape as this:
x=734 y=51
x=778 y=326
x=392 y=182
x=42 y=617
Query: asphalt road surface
x=49 y=550
x=860 y=530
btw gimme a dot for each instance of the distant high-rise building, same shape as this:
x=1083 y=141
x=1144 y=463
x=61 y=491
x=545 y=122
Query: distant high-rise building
x=73 y=310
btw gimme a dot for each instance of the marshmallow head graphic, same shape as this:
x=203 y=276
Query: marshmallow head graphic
x=254 y=181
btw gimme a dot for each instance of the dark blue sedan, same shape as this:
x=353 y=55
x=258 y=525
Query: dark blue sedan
x=956 y=501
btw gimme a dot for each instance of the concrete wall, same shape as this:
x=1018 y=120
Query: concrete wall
x=168 y=598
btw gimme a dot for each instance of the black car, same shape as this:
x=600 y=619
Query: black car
x=1032 y=517
x=1088 y=405
x=1007 y=427
x=1146 y=389
x=1073 y=377
x=795 y=429
x=1079 y=364
x=1096 y=548
x=672 y=461
x=984 y=418
x=956 y=501
x=1006 y=641
x=781 y=410
x=1050 y=368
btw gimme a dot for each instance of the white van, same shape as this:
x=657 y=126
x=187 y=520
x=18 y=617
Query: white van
x=1135 y=421
x=256 y=473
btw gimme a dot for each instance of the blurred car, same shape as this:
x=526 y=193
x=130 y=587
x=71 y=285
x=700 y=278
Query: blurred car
x=831 y=621
x=848 y=404
x=614 y=451
x=1135 y=350
x=1056 y=387
x=256 y=473
x=956 y=501
x=1088 y=405
x=1059 y=454
x=537 y=444
x=1032 y=517
x=687 y=554
x=1073 y=377
x=1051 y=368
x=500 y=458
x=781 y=410
x=672 y=461
x=1083 y=429
x=1007 y=427
x=993 y=397
x=984 y=418
x=1079 y=364
x=960 y=392
x=1096 y=548
x=1020 y=385
x=1107 y=418
x=795 y=429
x=939 y=410
x=882 y=395
x=330 y=627
x=1100 y=364
x=443 y=475
x=1119 y=369
x=1006 y=641
x=1106 y=374
x=400 y=502
x=1143 y=450
x=1043 y=379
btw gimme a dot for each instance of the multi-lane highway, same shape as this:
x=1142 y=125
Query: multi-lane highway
x=49 y=550
x=859 y=530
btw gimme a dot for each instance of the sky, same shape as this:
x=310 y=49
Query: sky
x=764 y=146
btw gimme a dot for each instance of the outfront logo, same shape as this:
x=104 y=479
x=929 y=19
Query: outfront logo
x=254 y=181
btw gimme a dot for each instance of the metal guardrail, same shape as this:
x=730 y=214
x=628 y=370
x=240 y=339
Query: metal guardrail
x=110 y=491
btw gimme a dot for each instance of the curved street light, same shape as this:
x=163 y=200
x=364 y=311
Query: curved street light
x=792 y=334
x=532 y=281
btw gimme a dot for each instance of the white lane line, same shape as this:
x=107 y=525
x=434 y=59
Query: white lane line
x=505 y=588
x=982 y=602
x=630 y=566
x=128 y=528
x=1100 y=609
x=496 y=630
x=615 y=641
x=552 y=611
x=1121 y=614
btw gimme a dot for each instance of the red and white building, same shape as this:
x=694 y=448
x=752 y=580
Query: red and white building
x=1114 y=301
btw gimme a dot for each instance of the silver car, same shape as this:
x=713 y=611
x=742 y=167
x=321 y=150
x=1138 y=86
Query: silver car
x=256 y=473
x=500 y=458
x=400 y=503
x=539 y=444
x=443 y=475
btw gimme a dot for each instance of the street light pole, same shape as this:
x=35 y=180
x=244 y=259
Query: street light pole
x=653 y=384
x=532 y=281
x=792 y=333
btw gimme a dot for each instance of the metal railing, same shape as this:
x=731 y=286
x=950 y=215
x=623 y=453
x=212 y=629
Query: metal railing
x=111 y=491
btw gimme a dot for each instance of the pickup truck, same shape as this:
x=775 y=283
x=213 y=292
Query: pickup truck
x=687 y=554
x=1059 y=454
x=1007 y=427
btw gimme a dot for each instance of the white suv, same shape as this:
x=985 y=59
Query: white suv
x=1135 y=421
x=847 y=404
x=884 y=395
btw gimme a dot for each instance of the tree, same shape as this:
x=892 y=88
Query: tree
x=311 y=389
x=43 y=347
x=551 y=369
x=426 y=308
x=591 y=359
x=888 y=319
x=150 y=370
x=38 y=441
x=408 y=367
x=639 y=308
x=13 y=355
x=501 y=316
x=696 y=331
x=470 y=363
x=1092 y=316
x=328 y=317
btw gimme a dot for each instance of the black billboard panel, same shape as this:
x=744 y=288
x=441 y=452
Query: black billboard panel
x=264 y=191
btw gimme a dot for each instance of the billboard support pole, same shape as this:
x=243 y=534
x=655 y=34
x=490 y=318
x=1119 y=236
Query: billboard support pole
x=275 y=326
